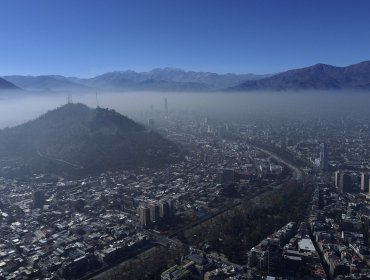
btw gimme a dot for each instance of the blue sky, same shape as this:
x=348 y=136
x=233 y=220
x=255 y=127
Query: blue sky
x=88 y=37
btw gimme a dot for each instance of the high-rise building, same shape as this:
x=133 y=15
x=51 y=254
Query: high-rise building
x=226 y=176
x=38 y=199
x=154 y=212
x=323 y=156
x=171 y=208
x=164 y=210
x=166 y=107
x=337 y=178
x=144 y=213
x=365 y=182
x=345 y=184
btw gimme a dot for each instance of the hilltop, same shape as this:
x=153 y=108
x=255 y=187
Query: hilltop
x=75 y=139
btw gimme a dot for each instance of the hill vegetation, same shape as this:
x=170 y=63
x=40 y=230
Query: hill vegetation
x=75 y=139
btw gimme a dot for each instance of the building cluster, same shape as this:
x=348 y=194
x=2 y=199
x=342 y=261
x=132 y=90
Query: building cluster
x=52 y=227
x=352 y=181
x=156 y=212
x=288 y=254
x=336 y=243
x=63 y=230
x=339 y=225
x=199 y=265
x=329 y=144
x=55 y=228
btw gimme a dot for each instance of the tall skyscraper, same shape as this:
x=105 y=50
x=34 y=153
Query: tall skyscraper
x=323 y=156
x=365 y=182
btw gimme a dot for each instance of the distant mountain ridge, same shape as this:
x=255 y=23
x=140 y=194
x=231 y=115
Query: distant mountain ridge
x=316 y=77
x=6 y=85
x=75 y=139
x=165 y=79
x=45 y=83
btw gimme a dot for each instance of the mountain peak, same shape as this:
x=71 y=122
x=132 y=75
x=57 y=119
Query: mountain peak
x=322 y=65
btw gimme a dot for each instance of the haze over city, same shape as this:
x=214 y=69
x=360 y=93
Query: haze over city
x=178 y=140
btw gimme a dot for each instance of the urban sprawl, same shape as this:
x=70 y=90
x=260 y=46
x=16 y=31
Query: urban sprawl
x=58 y=228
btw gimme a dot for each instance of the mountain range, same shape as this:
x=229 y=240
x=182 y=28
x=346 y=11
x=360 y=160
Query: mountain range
x=75 y=139
x=316 y=77
x=166 y=79
x=45 y=83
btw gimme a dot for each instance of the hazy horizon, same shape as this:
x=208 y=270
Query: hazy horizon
x=219 y=105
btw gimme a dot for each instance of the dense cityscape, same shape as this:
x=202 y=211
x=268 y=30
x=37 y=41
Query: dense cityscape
x=62 y=228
